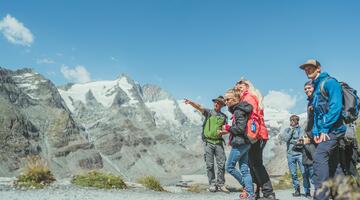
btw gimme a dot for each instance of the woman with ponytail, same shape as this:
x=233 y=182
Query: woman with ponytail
x=251 y=95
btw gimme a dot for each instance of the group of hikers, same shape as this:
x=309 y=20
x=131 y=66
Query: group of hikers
x=321 y=150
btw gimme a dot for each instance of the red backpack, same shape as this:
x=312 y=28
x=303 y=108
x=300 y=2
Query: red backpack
x=263 y=132
x=253 y=126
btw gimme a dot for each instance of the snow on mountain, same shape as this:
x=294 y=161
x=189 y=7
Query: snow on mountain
x=29 y=82
x=164 y=112
x=168 y=110
x=194 y=116
x=103 y=91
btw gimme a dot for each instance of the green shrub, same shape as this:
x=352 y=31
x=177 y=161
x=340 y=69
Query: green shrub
x=151 y=183
x=357 y=131
x=36 y=174
x=285 y=181
x=343 y=188
x=196 y=188
x=99 y=180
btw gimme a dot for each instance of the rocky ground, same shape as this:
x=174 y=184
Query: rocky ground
x=74 y=193
x=63 y=190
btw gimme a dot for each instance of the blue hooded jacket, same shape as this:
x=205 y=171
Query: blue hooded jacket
x=327 y=110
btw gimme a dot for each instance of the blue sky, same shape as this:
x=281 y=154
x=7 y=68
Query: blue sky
x=192 y=48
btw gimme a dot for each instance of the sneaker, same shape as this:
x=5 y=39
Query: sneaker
x=245 y=196
x=212 y=188
x=223 y=189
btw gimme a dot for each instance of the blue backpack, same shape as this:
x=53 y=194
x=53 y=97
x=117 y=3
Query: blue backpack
x=350 y=110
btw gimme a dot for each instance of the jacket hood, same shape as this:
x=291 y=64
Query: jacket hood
x=310 y=98
x=321 y=77
x=244 y=106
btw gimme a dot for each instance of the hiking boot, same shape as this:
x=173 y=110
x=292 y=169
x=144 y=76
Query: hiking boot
x=257 y=195
x=223 y=189
x=257 y=192
x=212 y=188
x=297 y=193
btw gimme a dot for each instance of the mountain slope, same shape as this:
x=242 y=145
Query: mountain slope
x=34 y=120
x=137 y=130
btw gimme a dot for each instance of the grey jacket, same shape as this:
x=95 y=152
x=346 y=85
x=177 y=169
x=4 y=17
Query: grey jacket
x=291 y=136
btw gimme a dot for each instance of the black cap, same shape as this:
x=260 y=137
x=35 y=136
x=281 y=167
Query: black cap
x=219 y=99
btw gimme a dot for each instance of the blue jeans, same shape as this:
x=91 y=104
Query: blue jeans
x=294 y=162
x=326 y=161
x=239 y=154
x=308 y=177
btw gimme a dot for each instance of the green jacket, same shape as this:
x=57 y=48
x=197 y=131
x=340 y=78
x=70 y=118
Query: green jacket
x=212 y=123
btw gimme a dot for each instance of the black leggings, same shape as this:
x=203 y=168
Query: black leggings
x=257 y=168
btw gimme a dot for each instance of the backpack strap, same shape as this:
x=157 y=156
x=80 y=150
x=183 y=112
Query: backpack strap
x=322 y=89
x=225 y=117
x=292 y=134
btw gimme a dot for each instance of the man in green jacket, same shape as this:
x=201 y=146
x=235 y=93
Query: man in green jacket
x=213 y=143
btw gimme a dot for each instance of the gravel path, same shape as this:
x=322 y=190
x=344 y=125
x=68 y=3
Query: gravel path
x=63 y=190
x=74 y=193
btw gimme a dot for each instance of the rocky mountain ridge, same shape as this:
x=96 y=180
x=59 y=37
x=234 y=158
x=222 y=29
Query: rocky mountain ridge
x=108 y=125
x=34 y=120
x=117 y=126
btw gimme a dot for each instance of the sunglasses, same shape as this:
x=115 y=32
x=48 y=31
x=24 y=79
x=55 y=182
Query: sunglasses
x=228 y=99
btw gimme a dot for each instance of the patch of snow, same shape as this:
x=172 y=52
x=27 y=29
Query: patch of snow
x=193 y=115
x=28 y=86
x=164 y=112
x=127 y=87
x=25 y=75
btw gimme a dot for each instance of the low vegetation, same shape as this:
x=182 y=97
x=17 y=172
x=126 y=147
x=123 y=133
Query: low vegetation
x=196 y=188
x=151 y=183
x=343 y=188
x=358 y=132
x=285 y=181
x=99 y=180
x=36 y=174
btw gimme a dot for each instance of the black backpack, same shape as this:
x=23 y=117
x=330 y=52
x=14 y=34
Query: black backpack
x=351 y=104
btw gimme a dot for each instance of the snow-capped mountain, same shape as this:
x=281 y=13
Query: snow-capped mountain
x=132 y=126
x=124 y=93
x=103 y=91
x=117 y=125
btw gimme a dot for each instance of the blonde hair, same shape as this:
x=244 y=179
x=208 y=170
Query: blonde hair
x=234 y=92
x=253 y=91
